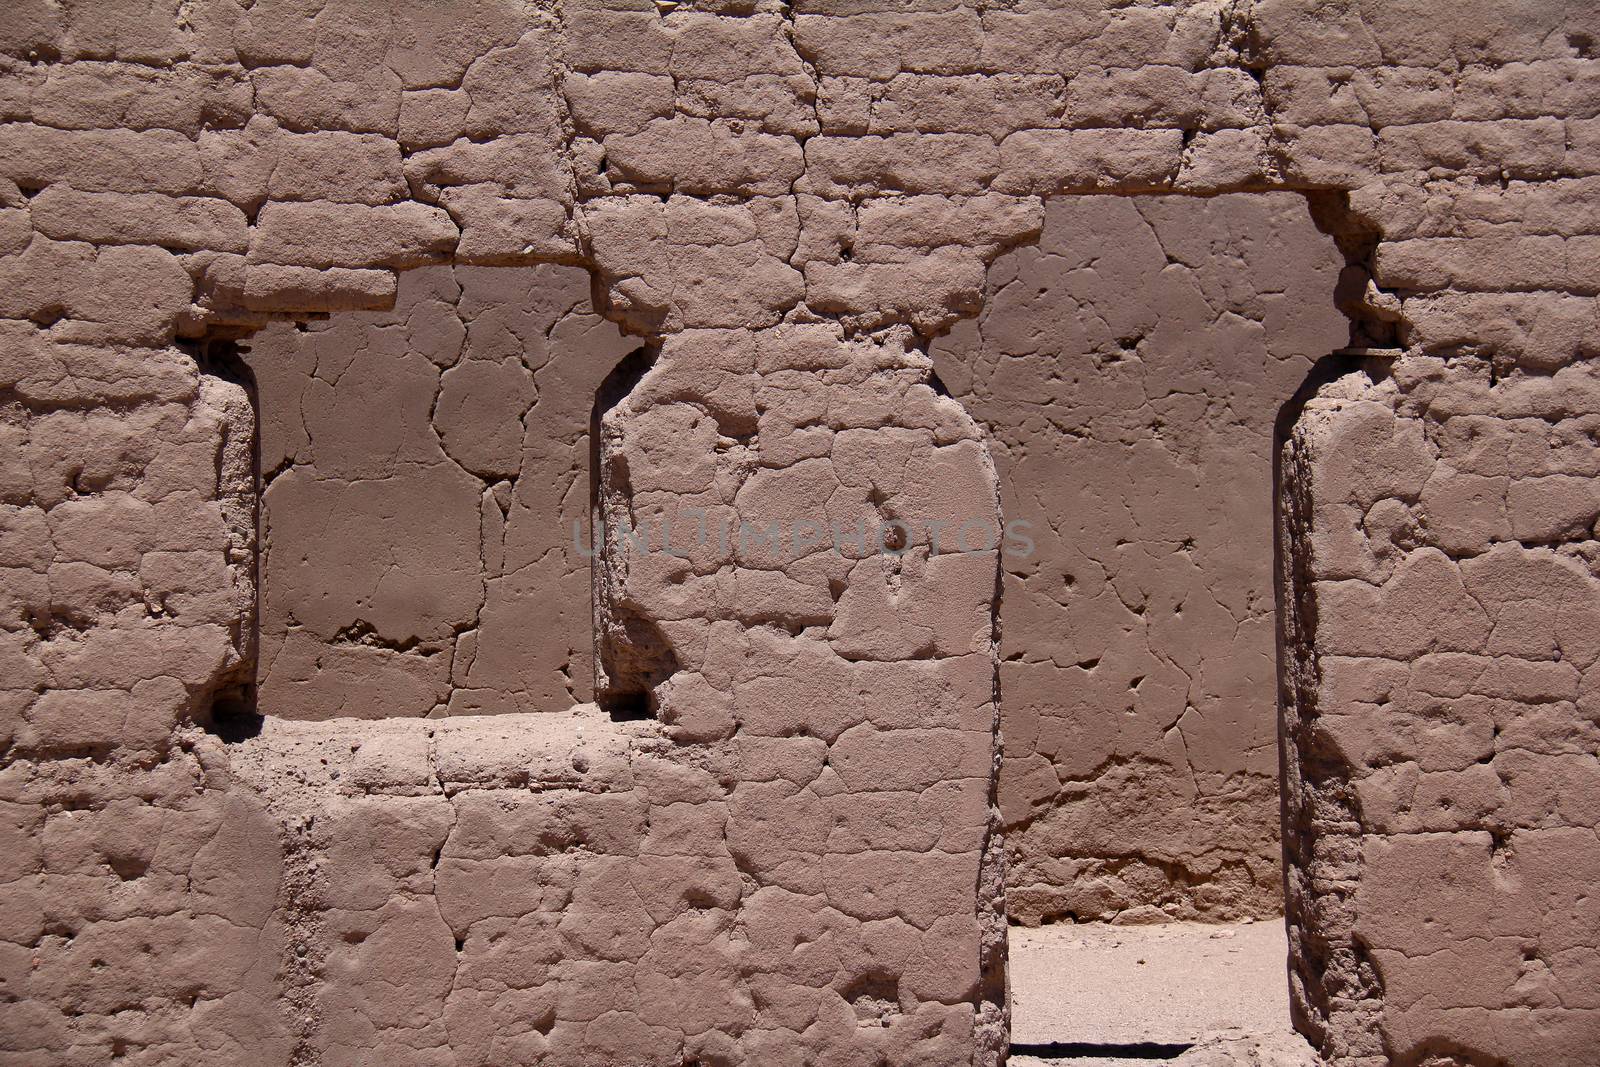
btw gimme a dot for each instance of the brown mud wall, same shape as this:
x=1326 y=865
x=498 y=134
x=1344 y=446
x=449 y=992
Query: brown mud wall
x=793 y=856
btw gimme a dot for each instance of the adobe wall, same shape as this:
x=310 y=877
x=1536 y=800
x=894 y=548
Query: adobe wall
x=786 y=207
x=796 y=861
x=424 y=524
x=1130 y=367
x=424 y=505
x=1440 y=653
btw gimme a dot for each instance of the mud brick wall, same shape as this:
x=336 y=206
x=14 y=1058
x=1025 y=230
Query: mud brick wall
x=784 y=207
x=1129 y=368
x=1441 y=654
x=424 y=502
x=798 y=859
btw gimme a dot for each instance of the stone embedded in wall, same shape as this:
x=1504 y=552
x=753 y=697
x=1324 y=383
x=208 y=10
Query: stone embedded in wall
x=1129 y=370
x=425 y=495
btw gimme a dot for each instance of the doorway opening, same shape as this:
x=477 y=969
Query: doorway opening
x=1130 y=369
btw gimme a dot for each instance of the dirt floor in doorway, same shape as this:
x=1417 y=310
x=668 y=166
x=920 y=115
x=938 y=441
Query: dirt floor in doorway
x=1199 y=995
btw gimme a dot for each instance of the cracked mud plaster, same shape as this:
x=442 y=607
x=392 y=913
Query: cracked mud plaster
x=883 y=665
x=564 y=889
x=126 y=506
x=1129 y=369
x=425 y=500
x=127 y=527
x=1444 y=751
x=798 y=863
x=202 y=170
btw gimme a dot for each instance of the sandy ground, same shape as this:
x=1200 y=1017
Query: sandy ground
x=1156 y=985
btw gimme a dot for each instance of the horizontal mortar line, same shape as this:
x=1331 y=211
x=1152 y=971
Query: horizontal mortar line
x=1135 y=1050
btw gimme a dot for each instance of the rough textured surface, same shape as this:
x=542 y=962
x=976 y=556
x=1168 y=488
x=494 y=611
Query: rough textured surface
x=425 y=498
x=1129 y=368
x=1170 y=983
x=1441 y=656
x=873 y=674
x=558 y=888
x=734 y=176
x=1233 y=1049
x=798 y=863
